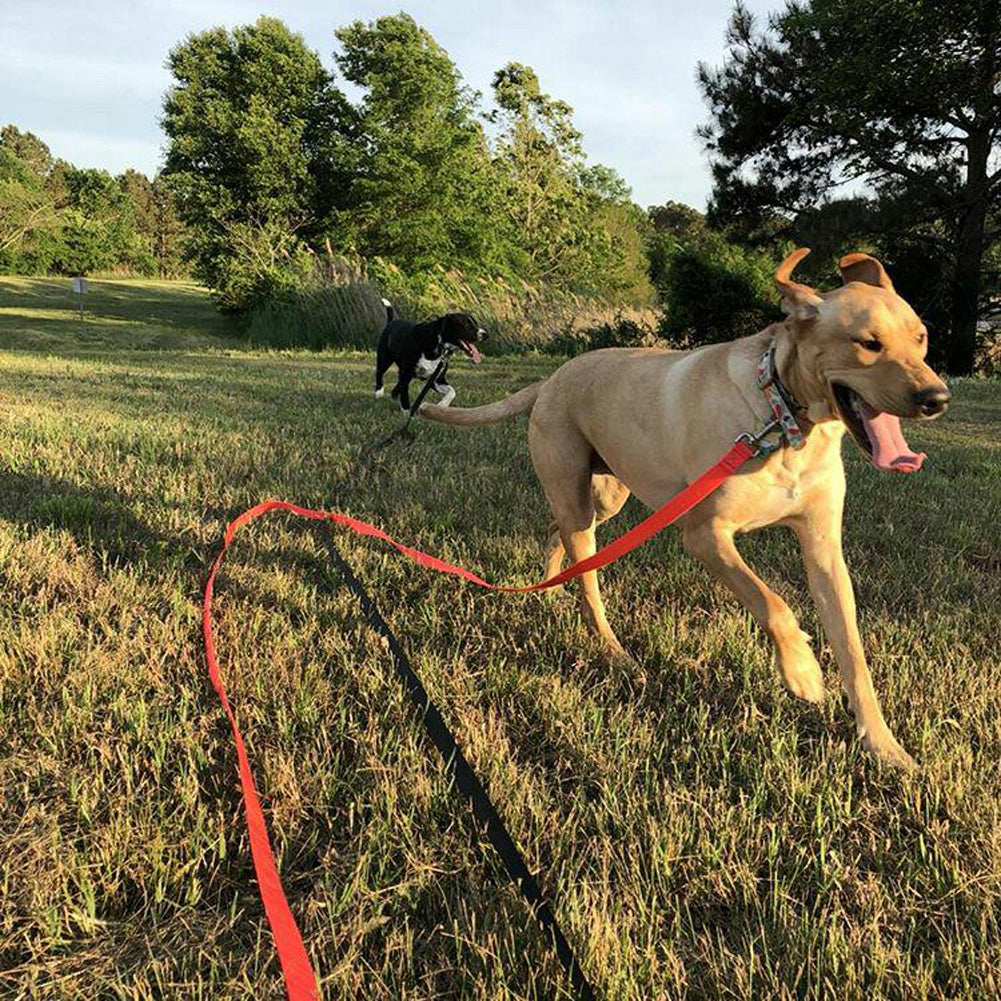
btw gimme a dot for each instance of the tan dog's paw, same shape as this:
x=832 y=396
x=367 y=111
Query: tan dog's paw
x=801 y=672
x=885 y=747
x=625 y=664
x=615 y=654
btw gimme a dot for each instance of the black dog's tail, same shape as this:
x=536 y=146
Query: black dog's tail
x=389 y=310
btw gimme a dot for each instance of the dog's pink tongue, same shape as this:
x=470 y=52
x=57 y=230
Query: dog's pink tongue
x=889 y=450
x=473 y=353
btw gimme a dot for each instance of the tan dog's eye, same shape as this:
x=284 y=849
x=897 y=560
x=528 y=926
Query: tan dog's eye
x=871 y=344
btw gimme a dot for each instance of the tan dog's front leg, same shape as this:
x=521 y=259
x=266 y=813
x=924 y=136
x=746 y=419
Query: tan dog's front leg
x=714 y=546
x=819 y=535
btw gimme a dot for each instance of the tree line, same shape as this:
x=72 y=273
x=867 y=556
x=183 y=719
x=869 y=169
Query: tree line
x=271 y=162
x=838 y=124
x=903 y=96
x=59 y=219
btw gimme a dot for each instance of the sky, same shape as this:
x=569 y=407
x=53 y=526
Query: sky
x=89 y=78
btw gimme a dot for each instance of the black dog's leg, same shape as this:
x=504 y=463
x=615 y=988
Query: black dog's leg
x=445 y=391
x=382 y=363
x=402 y=391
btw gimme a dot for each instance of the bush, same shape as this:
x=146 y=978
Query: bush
x=338 y=307
x=263 y=264
x=714 y=291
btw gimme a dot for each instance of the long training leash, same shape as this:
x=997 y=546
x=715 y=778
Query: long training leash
x=465 y=778
x=300 y=979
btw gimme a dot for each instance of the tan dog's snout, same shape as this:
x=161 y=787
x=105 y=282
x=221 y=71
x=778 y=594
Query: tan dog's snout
x=932 y=401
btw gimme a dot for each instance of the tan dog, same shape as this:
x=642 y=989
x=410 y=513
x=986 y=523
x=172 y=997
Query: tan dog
x=650 y=421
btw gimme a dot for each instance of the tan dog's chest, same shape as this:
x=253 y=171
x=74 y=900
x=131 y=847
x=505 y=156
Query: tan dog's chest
x=785 y=484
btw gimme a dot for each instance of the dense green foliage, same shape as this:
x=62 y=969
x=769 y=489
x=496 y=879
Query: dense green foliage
x=56 y=218
x=714 y=289
x=717 y=290
x=254 y=125
x=421 y=189
x=273 y=165
x=902 y=95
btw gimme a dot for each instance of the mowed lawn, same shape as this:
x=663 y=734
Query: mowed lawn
x=702 y=833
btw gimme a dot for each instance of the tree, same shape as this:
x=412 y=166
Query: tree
x=157 y=224
x=903 y=95
x=29 y=149
x=256 y=130
x=671 y=226
x=713 y=290
x=26 y=208
x=621 y=265
x=421 y=191
x=30 y=193
x=99 y=227
x=539 y=154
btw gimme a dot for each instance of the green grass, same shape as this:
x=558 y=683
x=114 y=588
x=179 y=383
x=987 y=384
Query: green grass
x=703 y=834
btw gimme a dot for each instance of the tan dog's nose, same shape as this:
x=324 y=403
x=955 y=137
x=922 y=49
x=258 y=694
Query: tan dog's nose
x=931 y=402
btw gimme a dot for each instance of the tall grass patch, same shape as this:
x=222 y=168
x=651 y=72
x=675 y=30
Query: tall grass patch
x=340 y=306
x=702 y=834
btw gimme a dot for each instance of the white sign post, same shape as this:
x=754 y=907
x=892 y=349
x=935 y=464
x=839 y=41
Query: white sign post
x=80 y=286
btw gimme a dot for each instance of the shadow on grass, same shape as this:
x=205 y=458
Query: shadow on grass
x=181 y=304
x=98 y=519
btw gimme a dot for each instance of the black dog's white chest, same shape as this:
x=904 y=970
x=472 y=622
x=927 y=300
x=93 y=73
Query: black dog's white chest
x=425 y=367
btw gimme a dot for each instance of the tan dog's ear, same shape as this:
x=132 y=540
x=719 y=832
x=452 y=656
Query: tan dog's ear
x=863 y=268
x=800 y=302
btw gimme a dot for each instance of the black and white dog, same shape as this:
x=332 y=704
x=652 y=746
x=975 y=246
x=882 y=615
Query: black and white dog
x=417 y=348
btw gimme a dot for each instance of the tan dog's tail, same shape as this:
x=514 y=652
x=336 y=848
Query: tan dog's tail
x=516 y=403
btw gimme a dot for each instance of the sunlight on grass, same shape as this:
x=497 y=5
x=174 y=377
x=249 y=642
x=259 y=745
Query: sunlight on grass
x=702 y=835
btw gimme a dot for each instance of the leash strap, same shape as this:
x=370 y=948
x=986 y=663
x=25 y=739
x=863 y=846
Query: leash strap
x=414 y=407
x=300 y=980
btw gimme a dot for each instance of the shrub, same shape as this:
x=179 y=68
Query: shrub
x=264 y=264
x=714 y=290
x=337 y=307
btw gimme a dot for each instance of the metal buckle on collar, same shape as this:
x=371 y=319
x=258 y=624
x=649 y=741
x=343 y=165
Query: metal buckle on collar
x=778 y=399
x=756 y=442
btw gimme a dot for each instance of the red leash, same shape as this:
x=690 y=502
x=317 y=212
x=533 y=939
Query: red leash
x=300 y=980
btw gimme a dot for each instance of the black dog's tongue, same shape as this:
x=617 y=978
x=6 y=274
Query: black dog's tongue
x=471 y=350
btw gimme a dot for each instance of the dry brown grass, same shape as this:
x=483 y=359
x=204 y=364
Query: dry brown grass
x=342 y=307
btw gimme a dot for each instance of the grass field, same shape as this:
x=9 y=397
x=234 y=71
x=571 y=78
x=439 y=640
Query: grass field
x=703 y=834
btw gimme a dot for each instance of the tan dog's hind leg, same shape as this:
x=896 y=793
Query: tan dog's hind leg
x=819 y=533
x=580 y=545
x=554 y=555
x=714 y=546
x=562 y=461
x=608 y=494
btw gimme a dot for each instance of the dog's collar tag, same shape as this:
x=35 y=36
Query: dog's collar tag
x=778 y=398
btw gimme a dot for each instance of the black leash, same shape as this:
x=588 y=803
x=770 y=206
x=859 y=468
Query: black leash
x=415 y=406
x=465 y=778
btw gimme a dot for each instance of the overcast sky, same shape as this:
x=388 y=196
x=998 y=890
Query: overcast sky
x=89 y=78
